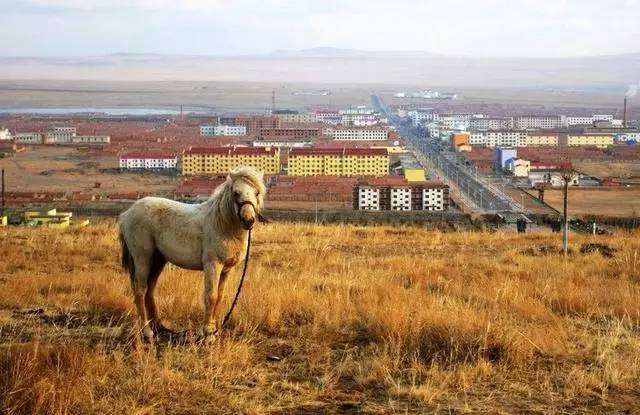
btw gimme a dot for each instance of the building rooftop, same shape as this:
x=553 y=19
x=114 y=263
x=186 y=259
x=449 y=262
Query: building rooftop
x=399 y=181
x=345 y=151
x=149 y=155
x=259 y=151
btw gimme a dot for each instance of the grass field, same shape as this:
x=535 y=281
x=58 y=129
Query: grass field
x=616 y=201
x=332 y=319
x=609 y=169
x=57 y=168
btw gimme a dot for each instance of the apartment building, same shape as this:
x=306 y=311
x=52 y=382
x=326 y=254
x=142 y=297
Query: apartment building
x=395 y=193
x=59 y=135
x=226 y=130
x=452 y=121
x=90 y=139
x=148 y=161
x=328 y=117
x=338 y=162
x=216 y=160
x=28 y=138
x=284 y=143
x=294 y=117
x=490 y=123
x=432 y=129
x=536 y=139
x=594 y=139
x=361 y=116
x=255 y=123
x=498 y=138
x=418 y=116
x=536 y=122
x=357 y=134
x=574 y=121
x=289 y=133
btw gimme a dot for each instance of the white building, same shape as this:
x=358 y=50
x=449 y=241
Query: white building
x=422 y=114
x=535 y=122
x=226 y=130
x=288 y=144
x=395 y=193
x=490 y=123
x=571 y=121
x=149 y=161
x=5 y=134
x=369 y=198
x=90 y=139
x=360 y=116
x=28 y=138
x=59 y=135
x=294 y=117
x=328 y=117
x=453 y=121
x=432 y=129
x=498 y=138
x=433 y=198
x=357 y=134
x=400 y=198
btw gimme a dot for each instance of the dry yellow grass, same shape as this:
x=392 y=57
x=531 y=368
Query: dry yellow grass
x=372 y=319
x=612 y=201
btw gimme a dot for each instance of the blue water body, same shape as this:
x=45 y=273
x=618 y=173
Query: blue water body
x=92 y=110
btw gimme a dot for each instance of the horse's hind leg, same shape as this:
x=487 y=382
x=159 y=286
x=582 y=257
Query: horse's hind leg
x=157 y=265
x=139 y=284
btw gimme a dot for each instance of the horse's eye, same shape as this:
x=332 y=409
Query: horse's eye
x=236 y=193
x=257 y=194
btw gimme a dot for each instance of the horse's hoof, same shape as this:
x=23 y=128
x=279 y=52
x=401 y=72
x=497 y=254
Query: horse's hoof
x=208 y=339
x=161 y=330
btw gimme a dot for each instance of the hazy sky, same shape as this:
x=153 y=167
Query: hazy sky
x=232 y=27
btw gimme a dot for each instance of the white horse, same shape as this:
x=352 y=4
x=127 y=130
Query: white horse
x=211 y=236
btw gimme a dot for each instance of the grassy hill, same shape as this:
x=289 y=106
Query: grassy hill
x=332 y=319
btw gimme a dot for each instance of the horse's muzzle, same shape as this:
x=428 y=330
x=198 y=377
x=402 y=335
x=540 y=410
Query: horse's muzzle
x=247 y=221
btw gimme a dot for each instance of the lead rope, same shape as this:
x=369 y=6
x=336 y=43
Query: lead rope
x=227 y=316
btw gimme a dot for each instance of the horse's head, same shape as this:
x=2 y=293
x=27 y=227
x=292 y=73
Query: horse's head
x=247 y=194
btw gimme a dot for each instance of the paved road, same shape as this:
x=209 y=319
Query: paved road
x=476 y=192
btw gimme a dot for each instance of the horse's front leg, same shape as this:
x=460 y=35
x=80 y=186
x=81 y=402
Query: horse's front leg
x=224 y=276
x=212 y=271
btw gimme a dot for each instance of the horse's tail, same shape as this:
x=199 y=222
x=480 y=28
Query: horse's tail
x=126 y=259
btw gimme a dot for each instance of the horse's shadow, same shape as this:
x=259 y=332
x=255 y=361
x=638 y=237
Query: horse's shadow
x=109 y=331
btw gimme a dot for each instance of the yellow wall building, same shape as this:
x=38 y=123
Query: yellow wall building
x=338 y=162
x=393 y=149
x=203 y=160
x=534 y=139
x=598 y=140
x=414 y=175
x=51 y=218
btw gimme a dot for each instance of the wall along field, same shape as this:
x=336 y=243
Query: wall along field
x=331 y=319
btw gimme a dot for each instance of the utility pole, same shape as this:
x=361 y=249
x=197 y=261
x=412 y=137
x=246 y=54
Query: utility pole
x=565 y=209
x=2 y=193
x=273 y=101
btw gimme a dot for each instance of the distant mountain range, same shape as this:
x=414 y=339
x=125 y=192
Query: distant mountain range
x=328 y=52
x=337 y=65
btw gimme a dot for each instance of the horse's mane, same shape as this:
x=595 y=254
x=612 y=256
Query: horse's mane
x=221 y=200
